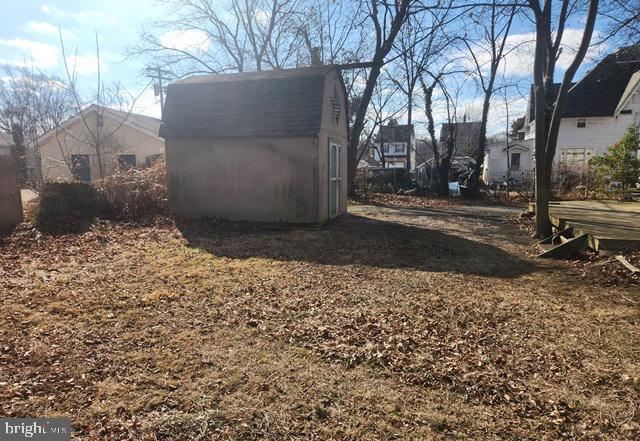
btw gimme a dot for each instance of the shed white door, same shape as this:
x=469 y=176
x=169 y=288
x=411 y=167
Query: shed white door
x=335 y=179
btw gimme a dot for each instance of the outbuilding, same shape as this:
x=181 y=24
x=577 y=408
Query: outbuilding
x=267 y=146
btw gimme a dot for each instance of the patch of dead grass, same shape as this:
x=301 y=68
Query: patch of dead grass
x=354 y=331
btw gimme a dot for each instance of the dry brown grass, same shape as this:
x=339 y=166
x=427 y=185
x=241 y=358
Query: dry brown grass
x=391 y=327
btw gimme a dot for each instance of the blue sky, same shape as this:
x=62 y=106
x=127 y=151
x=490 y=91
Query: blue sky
x=29 y=34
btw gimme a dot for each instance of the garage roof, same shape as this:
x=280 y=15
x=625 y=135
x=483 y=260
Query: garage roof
x=277 y=103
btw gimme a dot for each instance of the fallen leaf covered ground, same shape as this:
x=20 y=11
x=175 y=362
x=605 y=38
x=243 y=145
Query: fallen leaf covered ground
x=378 y=326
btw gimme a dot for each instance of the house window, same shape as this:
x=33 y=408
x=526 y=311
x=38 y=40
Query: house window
x=515 y=161
x=152 y=159
x=81 y=167
x=582 y=123
x=387 y=149
x=625 y=112
x=126 y=162
x=399 y=148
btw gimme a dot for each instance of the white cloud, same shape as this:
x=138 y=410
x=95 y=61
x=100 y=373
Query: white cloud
x=497 y=122
x=85 y=64
x=31 y=53
x=520 y=49
x=148 y=104
x=189 y=39
x=47 y=29
x=88 y=16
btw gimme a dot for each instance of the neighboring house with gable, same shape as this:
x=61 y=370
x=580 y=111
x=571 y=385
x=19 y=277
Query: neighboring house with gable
x=598 y=110
x=466 y=135
x=125 y=140
x=393 y=140
x=508 y=159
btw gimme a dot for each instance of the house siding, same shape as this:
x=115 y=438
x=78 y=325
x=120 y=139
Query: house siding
x=599 y=134
x=126 y=141
x=495 y=165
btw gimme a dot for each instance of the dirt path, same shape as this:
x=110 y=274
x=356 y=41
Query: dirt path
x=387 y=324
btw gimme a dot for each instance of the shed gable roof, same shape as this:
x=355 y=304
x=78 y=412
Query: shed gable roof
x=277 y=103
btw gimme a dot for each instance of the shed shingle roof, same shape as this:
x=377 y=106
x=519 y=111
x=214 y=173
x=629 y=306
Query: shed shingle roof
x=278 y=103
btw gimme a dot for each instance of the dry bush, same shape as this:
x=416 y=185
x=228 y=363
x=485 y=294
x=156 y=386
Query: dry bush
x=66 y=207
x=136 y=194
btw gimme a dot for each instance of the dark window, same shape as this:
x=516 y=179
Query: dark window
x=515 y=161
x=152 y=159
x=582 y=123
x=81 y=167
x=126 y=161
x=625 y=112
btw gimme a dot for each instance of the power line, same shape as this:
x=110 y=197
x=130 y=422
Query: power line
x=158 y=74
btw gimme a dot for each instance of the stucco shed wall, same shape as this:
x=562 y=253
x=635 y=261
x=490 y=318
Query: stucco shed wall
x=332 y=130
x=258 y=179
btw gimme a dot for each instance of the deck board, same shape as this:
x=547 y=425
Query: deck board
x=610 y=224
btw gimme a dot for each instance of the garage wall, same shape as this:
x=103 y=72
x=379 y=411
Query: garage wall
x=125 y=141
x=10 y=201
x=263 y=180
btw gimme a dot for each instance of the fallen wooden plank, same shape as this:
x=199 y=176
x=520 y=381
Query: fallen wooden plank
x=551 y=239
x=627 y=264
x=574 y=245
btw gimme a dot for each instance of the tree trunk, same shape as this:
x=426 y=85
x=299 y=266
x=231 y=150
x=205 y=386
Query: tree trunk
x=358 y=125
x=473 y=186
x=443 y=179
x=542 y=184
x=409 y=146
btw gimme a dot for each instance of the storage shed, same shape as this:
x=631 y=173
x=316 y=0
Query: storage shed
x=261 y=146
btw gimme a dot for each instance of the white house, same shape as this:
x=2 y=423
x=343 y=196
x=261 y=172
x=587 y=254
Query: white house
x=598 y=110
x=125 y=140
x=394 y=140
x=511 y=159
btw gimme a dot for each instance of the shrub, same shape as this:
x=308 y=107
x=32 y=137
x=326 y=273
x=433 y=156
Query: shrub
x=136 y=194
x=67 y=207
x=621 y=163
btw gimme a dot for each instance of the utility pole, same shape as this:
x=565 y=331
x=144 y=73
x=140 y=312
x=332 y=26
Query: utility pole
x=158 y=74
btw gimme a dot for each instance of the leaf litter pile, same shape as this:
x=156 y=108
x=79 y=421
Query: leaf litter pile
x=375 y=327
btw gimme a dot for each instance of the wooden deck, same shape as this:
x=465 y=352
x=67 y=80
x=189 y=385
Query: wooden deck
x=610 y=225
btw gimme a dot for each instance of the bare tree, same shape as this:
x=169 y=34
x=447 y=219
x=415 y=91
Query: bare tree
x=31 y=104
x=229 y=36
x=94 y=134
x=486 y=51
x=386 y=19
x=330 y=33
x=622 y=21
x=419 y=43
x=443 y=155
x=380 y=113
x=548 y=109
